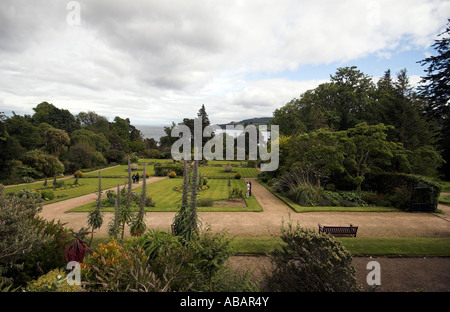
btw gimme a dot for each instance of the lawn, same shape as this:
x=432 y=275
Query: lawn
x=87 y=186
x=444 y=199
x=120 y=171
x=219 y=172
x=359 y=246
x=167 y=199
x=151 y=161
x=298 y=208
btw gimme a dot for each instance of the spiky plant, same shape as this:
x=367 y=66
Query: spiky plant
x=186 y=220
x=95 y=217
x=126 y=213
x=138 y=225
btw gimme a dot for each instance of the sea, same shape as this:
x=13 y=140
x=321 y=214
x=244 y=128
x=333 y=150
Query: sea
x=149 y=132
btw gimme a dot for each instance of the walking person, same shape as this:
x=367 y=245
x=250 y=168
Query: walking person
x=250 y=189
x=133 y=177
x=247 y=193
x=137 y=177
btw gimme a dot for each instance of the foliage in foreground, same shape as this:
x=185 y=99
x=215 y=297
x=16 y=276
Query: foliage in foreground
x=307 y=261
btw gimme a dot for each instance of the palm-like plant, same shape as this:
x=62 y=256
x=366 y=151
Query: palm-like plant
x=95 y=217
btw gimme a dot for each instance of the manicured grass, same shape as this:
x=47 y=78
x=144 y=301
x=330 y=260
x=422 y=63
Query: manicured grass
x=298 y=208
x=87 y=186
x=357 y=246
x=444 y=199
x=167 y=199
x=360 y=246
x=152 y=161
x=233 y=163
x=120 y=172
x=219 y=172
x=445 y=185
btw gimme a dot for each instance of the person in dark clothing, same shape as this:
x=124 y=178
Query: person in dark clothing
x=250 y=189
x=137 y=177
x=134 y=178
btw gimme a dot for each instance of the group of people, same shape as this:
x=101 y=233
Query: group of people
x=135 y=178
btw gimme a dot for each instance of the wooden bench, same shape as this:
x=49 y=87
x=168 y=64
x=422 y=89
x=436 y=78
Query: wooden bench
x=351 y=230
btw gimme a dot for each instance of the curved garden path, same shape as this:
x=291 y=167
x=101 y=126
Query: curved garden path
x=268 y=221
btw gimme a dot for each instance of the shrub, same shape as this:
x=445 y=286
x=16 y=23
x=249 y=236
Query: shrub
x=27 y=179
x=149 y=202
x=58 y=184
x=236 y=193
x=46 y=256
x=29 y=194
x=237 y=176
x=47 y=194
x=305 y=194
x=53 y=281
x=228 y=168
x=399 y=187
x=172 y=175
x=134 y=167
x=155 y=242
x=376 y=199
x=251 y=163
x=162 y=170
x=78 y=174
x=205 y=202
x=299 y=263
x=211 y=250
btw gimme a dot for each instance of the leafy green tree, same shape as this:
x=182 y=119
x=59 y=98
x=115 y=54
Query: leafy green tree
x=94 y=122
x=56 y=117
x=354 y=152
x=96 y=140
x=10 y=150
x=45 y=163
x=24 y=131
x=55 y=140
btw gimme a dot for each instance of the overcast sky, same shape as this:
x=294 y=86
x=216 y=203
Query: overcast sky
x=158 y=61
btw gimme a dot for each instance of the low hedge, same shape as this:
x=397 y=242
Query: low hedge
x=406 y=189
x=164 y=170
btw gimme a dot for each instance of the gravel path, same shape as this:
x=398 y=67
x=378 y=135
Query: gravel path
x=268 y=222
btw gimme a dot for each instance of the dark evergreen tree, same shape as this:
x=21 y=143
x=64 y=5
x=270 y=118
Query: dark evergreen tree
x=435 y=87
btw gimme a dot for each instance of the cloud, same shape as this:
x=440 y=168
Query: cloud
x=158 y=61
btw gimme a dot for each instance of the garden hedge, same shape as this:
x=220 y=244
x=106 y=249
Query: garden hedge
x=164 y=170
x=414 y=189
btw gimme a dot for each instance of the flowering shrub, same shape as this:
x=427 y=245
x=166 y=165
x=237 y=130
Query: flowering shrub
x=172 y=175
x=53 y=281
x=179 y=188
x=78 y=173
x=109 y=267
